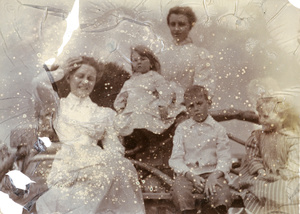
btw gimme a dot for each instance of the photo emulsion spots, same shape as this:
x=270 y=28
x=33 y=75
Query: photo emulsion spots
x=162 y=106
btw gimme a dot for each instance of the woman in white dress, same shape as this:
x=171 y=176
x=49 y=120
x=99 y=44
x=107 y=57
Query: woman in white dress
x=182 y=62
x=86 y=178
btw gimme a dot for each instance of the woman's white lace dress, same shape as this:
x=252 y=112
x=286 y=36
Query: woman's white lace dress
x=84 y=177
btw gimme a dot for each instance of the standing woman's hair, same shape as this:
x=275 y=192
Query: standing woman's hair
x=187 y=11
x=146 y=52
x=85 y=60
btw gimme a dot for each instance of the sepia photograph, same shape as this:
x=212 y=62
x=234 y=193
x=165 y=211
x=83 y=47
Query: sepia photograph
x=149 y=106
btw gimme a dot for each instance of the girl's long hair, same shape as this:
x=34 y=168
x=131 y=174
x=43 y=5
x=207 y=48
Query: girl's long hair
x=146 y=52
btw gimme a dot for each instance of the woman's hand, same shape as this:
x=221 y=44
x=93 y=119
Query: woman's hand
x=212 y=182
x=198 y=181
x=71 y=63
x=163 y=112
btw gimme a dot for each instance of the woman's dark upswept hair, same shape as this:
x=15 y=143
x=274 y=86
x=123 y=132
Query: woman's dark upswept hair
x=187 y=11
x=85 y=60
x=146 y=52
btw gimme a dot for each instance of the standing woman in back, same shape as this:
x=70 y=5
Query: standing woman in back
x=182 y=62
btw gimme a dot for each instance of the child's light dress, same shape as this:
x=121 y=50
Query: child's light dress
x=138 y=103
x=84 y=177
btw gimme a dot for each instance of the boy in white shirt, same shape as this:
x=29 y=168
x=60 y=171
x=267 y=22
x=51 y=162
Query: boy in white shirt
x=200 y=157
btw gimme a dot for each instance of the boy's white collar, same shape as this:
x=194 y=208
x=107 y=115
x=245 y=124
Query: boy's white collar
x=209 y=120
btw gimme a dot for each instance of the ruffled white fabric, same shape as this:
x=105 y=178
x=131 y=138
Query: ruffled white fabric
x=84 y=177
x=187 y=65
x=139 y=101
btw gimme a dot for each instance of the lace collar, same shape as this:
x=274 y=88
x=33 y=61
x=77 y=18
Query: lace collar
x=73 y=99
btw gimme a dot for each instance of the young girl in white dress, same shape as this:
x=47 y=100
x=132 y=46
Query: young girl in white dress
x=145 y=103
x=86 y=178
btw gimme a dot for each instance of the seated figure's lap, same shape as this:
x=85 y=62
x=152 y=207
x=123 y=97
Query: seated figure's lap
x=184 y=194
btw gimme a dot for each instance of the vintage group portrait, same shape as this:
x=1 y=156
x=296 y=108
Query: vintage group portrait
x=149 y=106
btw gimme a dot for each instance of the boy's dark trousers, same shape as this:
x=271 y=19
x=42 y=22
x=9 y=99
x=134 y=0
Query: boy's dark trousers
x=184 y=200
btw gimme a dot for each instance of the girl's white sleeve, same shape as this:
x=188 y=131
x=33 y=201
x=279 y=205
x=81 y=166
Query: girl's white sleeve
x=121 y=100
x=111 y=142
x=165 y=92
x=45 y=97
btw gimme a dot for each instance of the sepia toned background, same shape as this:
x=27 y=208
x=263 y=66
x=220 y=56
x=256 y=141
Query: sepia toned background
x=251 y=41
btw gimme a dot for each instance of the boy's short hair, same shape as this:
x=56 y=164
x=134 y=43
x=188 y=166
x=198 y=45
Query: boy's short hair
x=193 y=90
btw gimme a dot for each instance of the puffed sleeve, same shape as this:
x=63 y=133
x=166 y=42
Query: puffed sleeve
x=165 y=93
x=292 y=165
x=178 y=152
x=110 y=141
x=121 y=99
x=205 y=71
x=46 y=99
